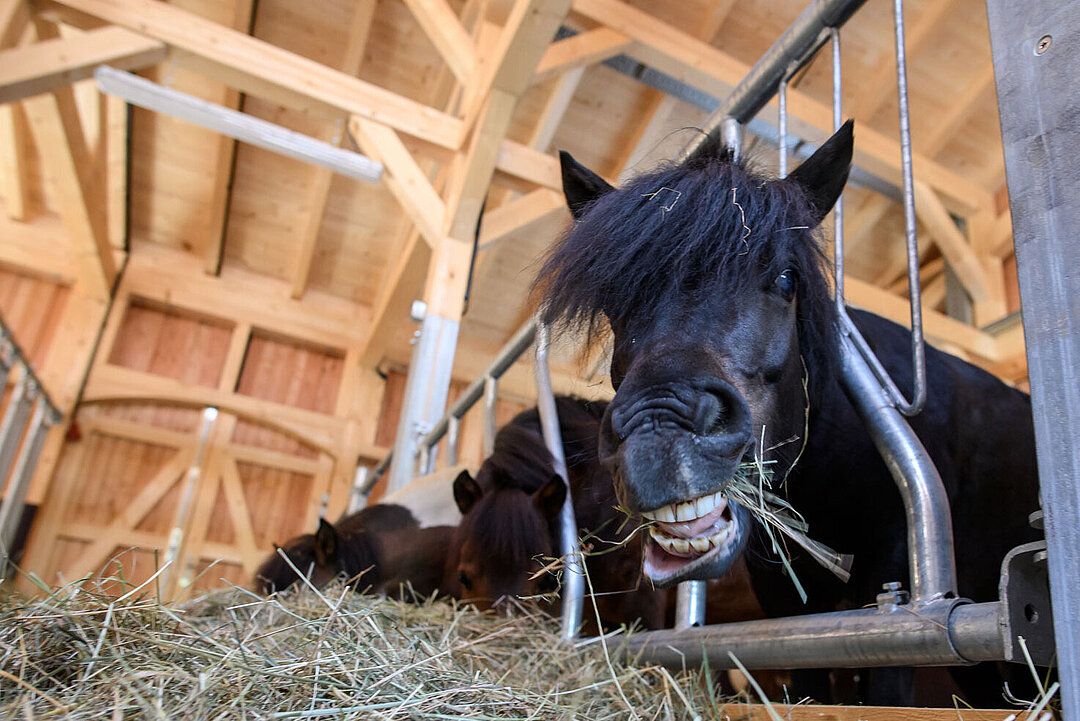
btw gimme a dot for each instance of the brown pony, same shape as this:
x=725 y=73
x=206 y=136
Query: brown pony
x=511 y=521
x=379 y=549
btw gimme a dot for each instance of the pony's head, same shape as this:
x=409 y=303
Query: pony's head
x=713 y=284
x=504 y=539
x=320 y=557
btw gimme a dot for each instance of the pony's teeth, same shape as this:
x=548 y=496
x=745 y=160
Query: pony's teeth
x=684 y=546
x=665 y=514
x=686 y=511
x=700 y=544
x=707 y=504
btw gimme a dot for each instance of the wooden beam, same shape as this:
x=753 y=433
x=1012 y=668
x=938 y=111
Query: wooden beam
x=62 y=146
x=960 y=255
x=323 y=178
x=259 y=68
x=39 y=246
x=403 y=176
x=959 y=110
x=445 y=31
x=51 y=64
x=695 y=62
x=14 y=17
x=882 y=85
x=558 y=102
x=14 y=161
x=233 y=489
x=536 y=208
x=225 y=158
x=580 y=51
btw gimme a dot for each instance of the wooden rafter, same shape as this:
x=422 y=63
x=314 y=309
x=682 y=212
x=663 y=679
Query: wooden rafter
x=579 y=51
x=257 y=67
x=320 y=187
x=52 y=64
x=224 y=158
x=14 y=161
x=448 y=35
x=538 y=208
x=14 y=17
x=951 y=241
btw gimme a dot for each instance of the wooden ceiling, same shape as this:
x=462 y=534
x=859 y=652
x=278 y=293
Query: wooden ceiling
x=431 y=71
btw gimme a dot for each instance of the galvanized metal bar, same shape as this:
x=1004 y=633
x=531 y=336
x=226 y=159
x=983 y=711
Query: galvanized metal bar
x=453 y=436
x=690 y=605
x=781 y=96
x=491 y=398
x=191 y=481
x=939 y=633
x=931 y=559
x=426 y=391
x=15 y=496
x=357 y=494
x=838 y=209
x=731 y=133
x=1036 y=63
x=573 y=585
x=802 y=38
x=14 y=423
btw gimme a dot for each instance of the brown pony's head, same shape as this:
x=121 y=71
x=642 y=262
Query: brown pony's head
x=320 y=557
x=504 y=539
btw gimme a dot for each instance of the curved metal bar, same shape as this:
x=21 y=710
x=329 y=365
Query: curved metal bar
x=690 y=604
x=573 y=592
x=491 y=398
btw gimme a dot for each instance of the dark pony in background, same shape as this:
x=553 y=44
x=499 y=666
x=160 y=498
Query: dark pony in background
x=379 y=549
x=510 y=522
x=712 y=280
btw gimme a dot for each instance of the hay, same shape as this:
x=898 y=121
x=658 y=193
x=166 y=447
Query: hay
x=330 y=654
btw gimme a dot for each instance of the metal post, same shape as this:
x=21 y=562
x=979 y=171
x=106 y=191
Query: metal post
x=491 y=397
x=781 y=97
x=453 y=435
x=573 y=576
x=1036 y=49
x=15 y=497
x=838 y=209
x=426 y=391
x=176 y=536
x=690 y=605
x=11 y=429
x=357 y=495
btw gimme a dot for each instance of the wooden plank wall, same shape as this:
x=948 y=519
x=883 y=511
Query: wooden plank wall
x=122 y=475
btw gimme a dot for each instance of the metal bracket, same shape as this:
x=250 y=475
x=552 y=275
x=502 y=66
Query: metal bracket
x=1025 y=594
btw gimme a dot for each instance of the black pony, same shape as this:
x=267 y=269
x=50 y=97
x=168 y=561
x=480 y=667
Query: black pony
x=715 y=287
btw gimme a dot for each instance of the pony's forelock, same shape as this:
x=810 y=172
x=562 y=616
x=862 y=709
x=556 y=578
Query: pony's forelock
x=682 y=232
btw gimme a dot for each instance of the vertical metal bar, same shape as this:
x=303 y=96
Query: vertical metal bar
x=15 y=496
x=491 y=397
x=176 y=536
x=573 y=575
x=11 y=429
x=357 y=496
x=690 y=605
x=427 y=459
x=931 y=559
x=918 y=350
x=453 y=435
x=781 y=94
x=426 y=391
x=1036 y=50
x=7 y=356
x=838 y=210
x=731 y=132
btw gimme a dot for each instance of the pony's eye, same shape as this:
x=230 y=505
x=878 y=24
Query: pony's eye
x=466 y=583
x=786 y=283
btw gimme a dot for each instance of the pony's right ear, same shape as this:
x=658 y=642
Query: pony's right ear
x=823 y=175
x=580 y=185
x=466 y=492
x=549 y=499
x=326 y=543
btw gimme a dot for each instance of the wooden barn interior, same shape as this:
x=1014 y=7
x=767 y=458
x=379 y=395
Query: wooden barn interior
x=150 y=268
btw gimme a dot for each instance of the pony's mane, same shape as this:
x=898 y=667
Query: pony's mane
x=686 y=231
x=520 y=458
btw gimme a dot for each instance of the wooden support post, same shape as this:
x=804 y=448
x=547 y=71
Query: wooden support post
x=447 y=34
x=951 y=242
x=13 y=161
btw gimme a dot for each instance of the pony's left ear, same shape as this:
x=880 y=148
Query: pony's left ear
x=549 y=499
x=326 y=543
x=581 y=186
x=824 y=173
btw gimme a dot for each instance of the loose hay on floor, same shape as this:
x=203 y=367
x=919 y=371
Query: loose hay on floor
x=79 y=654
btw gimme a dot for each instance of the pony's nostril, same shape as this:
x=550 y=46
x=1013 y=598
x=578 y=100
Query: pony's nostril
x=707 y=417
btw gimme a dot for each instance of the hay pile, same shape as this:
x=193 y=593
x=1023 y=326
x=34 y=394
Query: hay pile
x=81 y=654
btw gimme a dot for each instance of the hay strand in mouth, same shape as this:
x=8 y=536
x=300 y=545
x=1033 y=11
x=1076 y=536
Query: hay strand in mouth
x=751 y=487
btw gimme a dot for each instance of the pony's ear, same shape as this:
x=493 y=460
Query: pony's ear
x=549 y=499
x=580 y=185
x=466 y=492
x=326 y=543
x=824 y=173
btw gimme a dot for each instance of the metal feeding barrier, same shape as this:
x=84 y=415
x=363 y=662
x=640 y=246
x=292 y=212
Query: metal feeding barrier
x=19 y=425
x=932 y=626
x=533 y=333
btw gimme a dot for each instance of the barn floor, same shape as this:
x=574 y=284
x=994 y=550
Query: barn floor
x=80 y=653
